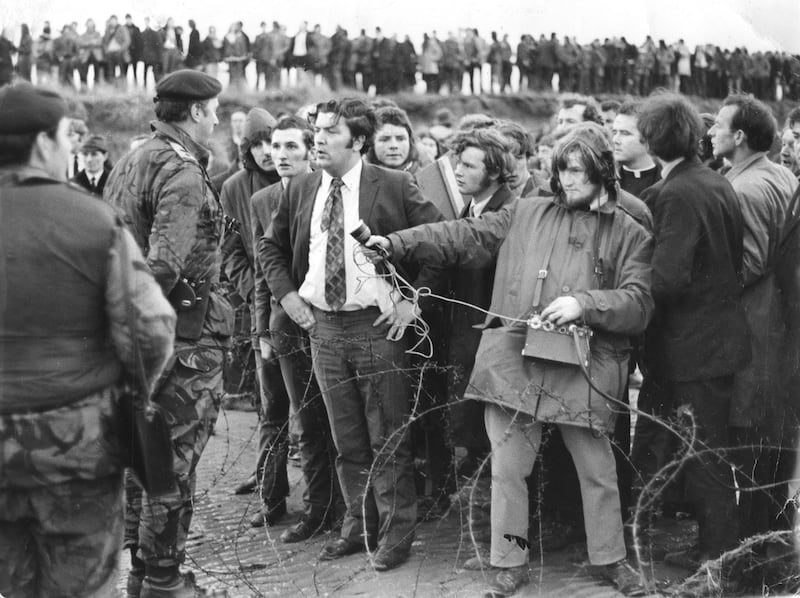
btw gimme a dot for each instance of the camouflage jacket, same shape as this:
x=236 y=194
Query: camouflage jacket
x=167 y=199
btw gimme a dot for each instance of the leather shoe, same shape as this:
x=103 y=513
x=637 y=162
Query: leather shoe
x=269 y=516
x=508 y=581
x=303 y=530
x=389 y=558
x=623 y=577
x=247 y=487
x=339 y=547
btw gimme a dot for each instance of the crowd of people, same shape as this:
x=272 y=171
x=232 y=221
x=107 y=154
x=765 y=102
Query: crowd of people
x=429 y=307
x=391 y=63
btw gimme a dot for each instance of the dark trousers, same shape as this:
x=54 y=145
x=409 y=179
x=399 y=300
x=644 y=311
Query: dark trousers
x=365 y=381
x=273 y=432
x=760 y=474
x=703 y=408
x=322 y=498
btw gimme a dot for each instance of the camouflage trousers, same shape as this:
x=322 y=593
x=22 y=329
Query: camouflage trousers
x=61 y=507
x=190 y=393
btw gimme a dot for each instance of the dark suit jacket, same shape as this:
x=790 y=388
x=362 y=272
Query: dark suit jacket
x=699 y=330
x=389 y=200
x=475 y=287
x=83 y=180
x=262 y=205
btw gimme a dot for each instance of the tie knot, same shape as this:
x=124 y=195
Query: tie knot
x=336 y=184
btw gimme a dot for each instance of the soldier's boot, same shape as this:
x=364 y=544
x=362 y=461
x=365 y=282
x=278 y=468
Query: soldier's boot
x=169 y=583
x=133 y=588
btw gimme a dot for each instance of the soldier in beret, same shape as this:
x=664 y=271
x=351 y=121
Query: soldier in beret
x=167 y=198
x=69 y=271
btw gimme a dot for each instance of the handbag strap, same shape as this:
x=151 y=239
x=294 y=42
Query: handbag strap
x=543 y=271
x=124 y=256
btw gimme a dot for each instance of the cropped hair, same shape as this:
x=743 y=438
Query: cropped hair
x=518 y=135
x=17 y=149
x=175 y=111
x=357 y=115
x=610 y=105
x=591 y=143
x=630 y=108
x=793 y=117
x=495 y=146
x=591 y=112
x=671 y=127
x=295 y=122
x=754 y=119
x=392 y=115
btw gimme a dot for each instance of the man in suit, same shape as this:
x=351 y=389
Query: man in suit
x=94 y=152
x=356 y=322
x=698 y=338
x=280 y=338
x=77 y=135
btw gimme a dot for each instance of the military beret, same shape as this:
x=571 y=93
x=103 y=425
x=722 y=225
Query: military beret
x=187 y=85
x=94 y=143
x=25 y=108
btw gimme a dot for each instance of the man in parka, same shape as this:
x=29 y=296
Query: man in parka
x=164 y=192
x=577 y=258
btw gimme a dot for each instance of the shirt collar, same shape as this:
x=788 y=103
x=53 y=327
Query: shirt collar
x=739 y=167
x=598 y=203
x=668 y=167
x=351 y=178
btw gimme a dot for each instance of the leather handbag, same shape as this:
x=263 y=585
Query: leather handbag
x=142 y=430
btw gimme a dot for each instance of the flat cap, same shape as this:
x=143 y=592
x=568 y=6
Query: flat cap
x=94 y=143
x=25 y=108
x=188 y=85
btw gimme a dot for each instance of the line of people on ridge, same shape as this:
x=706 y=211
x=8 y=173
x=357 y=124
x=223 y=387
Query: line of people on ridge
x=391 y=64
x=689 y=271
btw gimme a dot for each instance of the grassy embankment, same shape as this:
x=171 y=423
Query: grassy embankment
x=122 y=115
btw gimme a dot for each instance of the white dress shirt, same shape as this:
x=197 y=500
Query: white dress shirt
x=363 y=288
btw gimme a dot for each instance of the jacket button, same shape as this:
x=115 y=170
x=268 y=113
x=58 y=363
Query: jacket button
x=565 y=289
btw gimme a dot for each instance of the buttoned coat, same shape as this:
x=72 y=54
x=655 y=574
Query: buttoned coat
x=616 y=308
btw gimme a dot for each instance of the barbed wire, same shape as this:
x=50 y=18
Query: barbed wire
x=466 y=499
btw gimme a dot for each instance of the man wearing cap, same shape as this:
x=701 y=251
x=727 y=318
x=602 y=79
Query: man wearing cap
x=166 y=196
x=95 y=169
x=68 y=272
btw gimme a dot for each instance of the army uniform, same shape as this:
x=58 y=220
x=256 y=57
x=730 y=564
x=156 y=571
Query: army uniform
x=64 y=344
x=167 y=198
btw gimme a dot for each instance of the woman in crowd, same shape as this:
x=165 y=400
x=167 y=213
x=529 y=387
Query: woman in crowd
x=430 y=144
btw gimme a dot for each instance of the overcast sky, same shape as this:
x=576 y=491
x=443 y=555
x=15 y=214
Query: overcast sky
x=756 y=24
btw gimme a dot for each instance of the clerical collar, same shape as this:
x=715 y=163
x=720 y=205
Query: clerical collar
x=637 y=173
